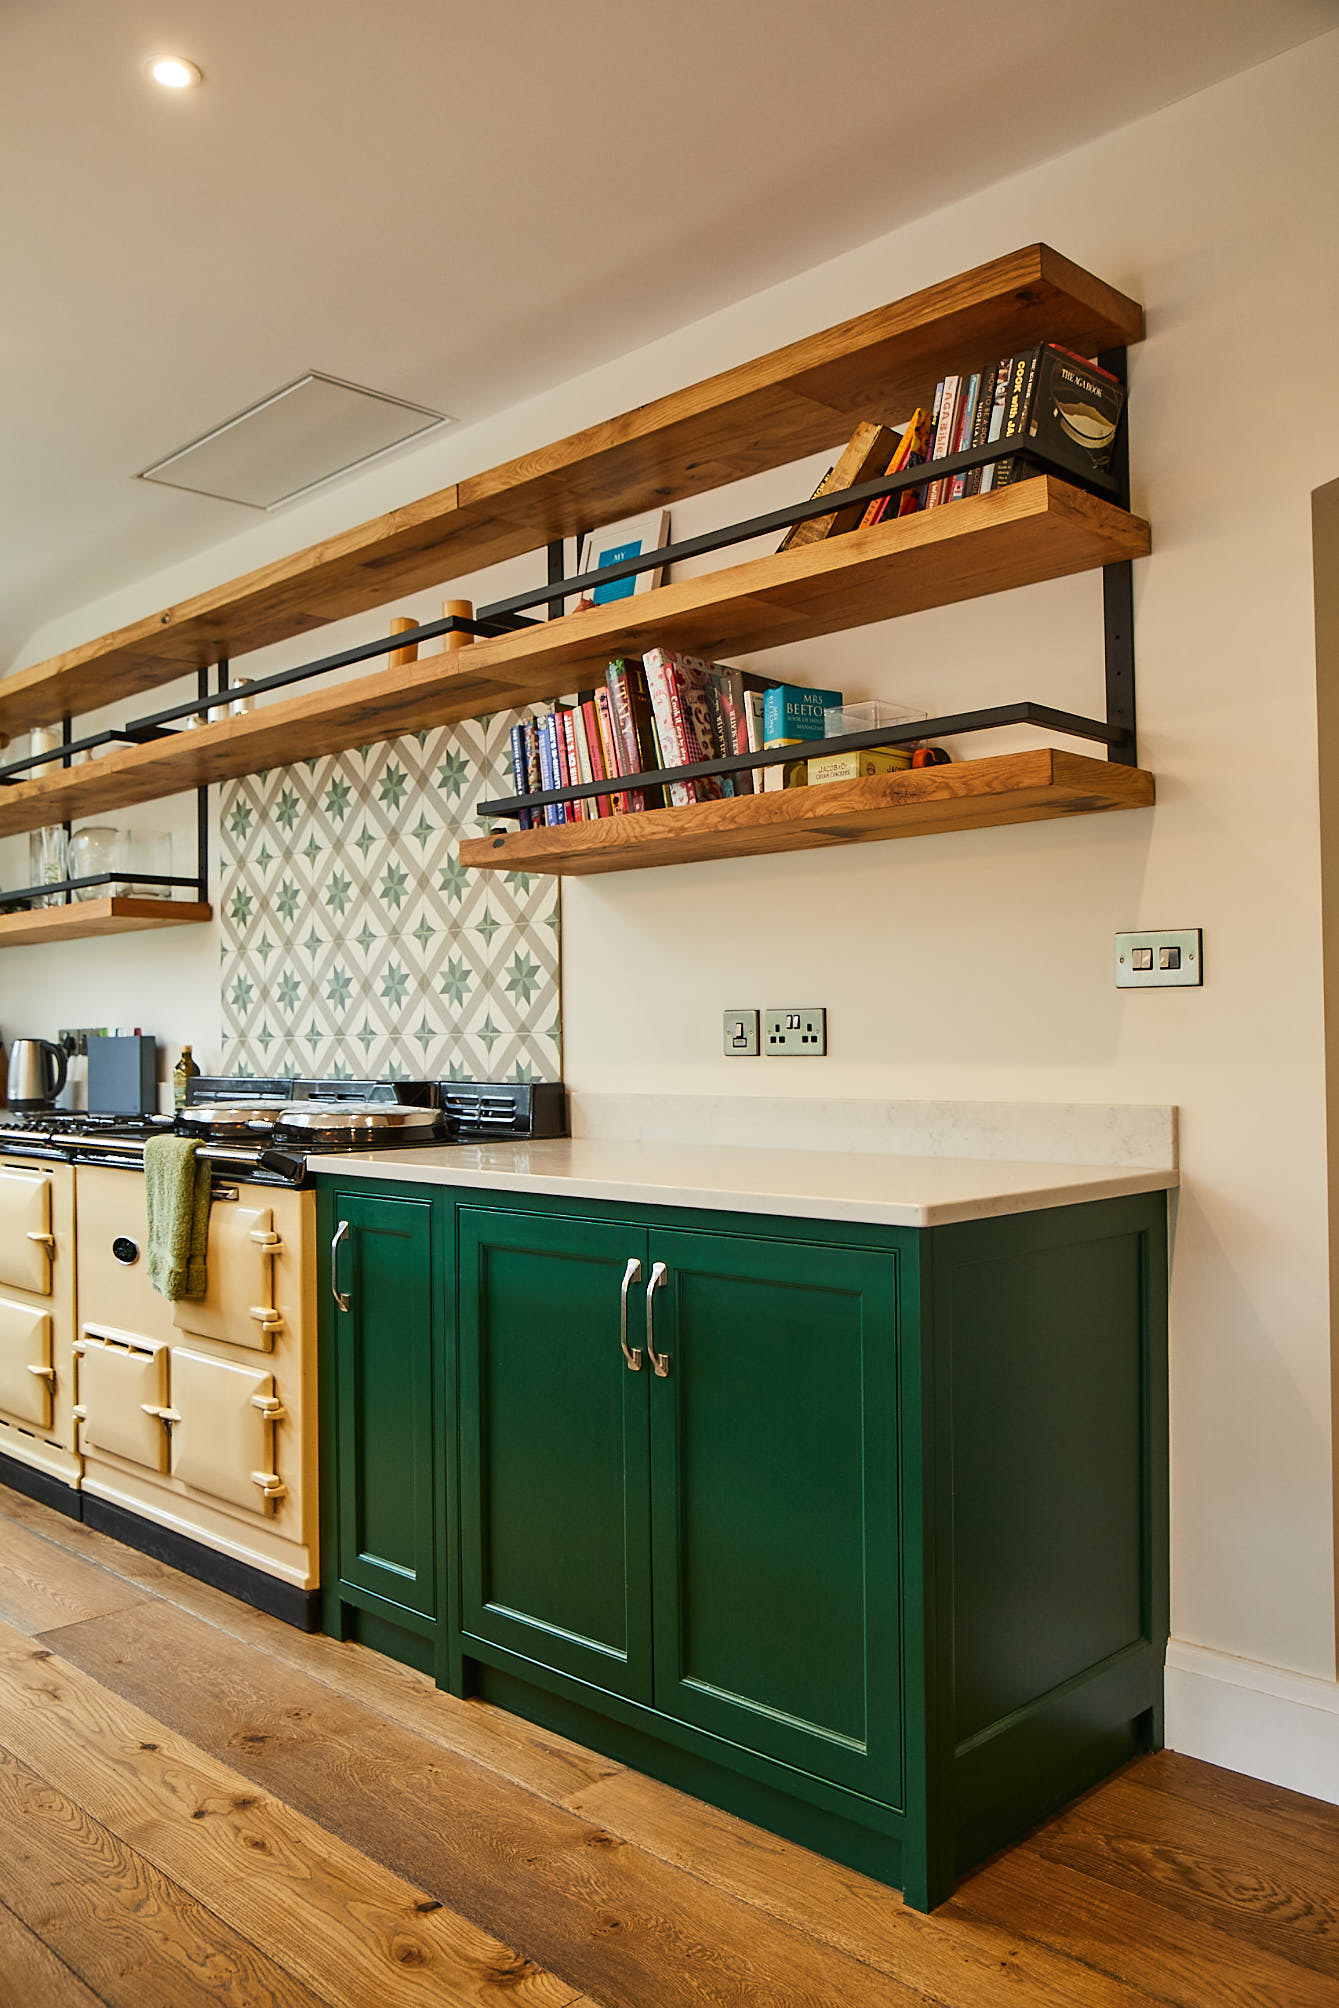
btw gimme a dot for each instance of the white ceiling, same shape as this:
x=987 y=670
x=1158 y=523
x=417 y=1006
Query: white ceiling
x=460 y=204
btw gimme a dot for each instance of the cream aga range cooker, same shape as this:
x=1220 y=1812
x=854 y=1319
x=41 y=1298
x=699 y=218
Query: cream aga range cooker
x=190 y=1429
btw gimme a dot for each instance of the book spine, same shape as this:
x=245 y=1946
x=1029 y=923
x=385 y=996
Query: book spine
x=998 y=405
x=586 y=810
x=548 y=768
x=731 y=685
x=616 y=678
x=720 y=730
x=604 y=714
x=985 y=398
x=962 y=433
x=594 y=750
x=533 y=776
x=644 y=730
x=1015 y=420
x=948 y=419
x=516 y=741
x=661 y=668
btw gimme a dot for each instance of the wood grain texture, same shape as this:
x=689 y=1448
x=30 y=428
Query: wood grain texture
x=133 y=1936
x=799 y=399
x=1174 y=1884
x=32 y=1975
x=537 y=1758
x=1125 y=1940
x=975 y=1966
x=351 y=1931
x=86 y=917
x=968 y=795
x=42 y=1585
x=568 y=1894
x=1028 y=532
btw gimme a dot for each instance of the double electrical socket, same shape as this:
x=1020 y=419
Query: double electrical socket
x=797 y=1030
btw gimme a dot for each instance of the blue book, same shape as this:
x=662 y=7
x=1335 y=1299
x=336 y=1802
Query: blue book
x=795 y=711
x=553 y=812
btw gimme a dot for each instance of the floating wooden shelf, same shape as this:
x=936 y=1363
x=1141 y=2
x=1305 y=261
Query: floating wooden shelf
x=798 y=400
x=968 y=795
x=1034 y=530
x=86 y=917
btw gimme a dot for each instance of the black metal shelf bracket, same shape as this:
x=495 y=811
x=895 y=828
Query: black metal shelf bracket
x=505 y=616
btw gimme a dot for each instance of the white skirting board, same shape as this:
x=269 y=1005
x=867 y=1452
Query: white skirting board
x=1262 y=1720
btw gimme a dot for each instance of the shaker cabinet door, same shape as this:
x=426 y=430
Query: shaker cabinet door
x=26 y=1240
x=387 y=1474
x=774 y=1501
x=554 y=1528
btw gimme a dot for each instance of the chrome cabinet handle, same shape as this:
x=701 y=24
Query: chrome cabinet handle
x=633 y=1355
x=659 y=1361
x=339 y=1296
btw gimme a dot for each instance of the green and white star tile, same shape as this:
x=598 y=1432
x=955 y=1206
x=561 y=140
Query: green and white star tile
x=354 y=941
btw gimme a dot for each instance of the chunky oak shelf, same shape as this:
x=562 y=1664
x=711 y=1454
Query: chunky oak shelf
x=1031 y=531
x=86 y=917
x=798 y=400
x=968 y=795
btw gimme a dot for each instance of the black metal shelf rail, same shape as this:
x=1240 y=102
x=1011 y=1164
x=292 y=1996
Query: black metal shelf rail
x=505 y=616
x=958 y=722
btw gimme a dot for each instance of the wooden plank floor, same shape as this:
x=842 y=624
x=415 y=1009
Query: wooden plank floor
x=200 y=1805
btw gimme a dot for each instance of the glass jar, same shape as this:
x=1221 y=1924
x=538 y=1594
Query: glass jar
x=99 y=847
x=48 y=861
x=151 y=851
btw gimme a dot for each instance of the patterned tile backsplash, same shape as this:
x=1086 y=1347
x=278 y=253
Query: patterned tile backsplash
x=354 y=941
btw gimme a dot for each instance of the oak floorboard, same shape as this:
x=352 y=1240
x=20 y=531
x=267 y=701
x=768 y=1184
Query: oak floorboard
x=537 y=1758
x=136 y=1939
x=569 y=1895
x=974 y=1965
x=32 y=1975
x=41 y=1586
x=1312 y=1823
x=1206 y=1867
x=1125 y=1941
x=350 y=1930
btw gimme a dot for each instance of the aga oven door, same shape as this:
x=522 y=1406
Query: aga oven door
x=26 y=1241
x=238 y=1306
x=223 y=1418
x=121 y=1383
x=26 y=1371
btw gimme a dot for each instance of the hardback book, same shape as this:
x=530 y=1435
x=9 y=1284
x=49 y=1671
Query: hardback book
x=945 y=431
x=594 y=756
x=910 y=451
x=631 y=704
x=826 y=486
x=981 y=425
x=1017 y=400
x=962 y=434
x=796 y=711
x=995 y=425
x=567 y=761
x=865 y=455
x=516 y=743
x=1070 y=407
x=678 y=689
x=576 y=725
x=604 y=715
x=548 y=767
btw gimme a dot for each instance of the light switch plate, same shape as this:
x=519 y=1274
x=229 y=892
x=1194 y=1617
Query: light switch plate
x=1160 y=958
x=799 y=1030
x=739 y=1034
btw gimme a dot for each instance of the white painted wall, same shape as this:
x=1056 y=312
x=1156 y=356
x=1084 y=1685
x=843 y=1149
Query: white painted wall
x=979 y=964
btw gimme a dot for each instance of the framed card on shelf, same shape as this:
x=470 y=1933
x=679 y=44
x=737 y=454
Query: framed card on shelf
x=628 y=539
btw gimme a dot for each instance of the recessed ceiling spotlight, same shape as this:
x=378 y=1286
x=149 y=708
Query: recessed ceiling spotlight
x=174 y=73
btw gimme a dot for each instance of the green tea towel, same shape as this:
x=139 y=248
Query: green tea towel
x=178 y=1196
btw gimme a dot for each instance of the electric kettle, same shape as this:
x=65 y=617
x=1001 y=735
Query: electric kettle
x=37 y=1072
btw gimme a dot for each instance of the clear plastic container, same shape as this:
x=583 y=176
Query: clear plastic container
x=874 y=715
x=99 y=847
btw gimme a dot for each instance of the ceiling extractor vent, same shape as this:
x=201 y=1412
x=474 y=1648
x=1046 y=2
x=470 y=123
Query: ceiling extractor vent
x=291 y=441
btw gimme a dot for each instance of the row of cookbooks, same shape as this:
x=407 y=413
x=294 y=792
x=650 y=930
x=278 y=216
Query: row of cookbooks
x=659 y=710
x=1069 y=406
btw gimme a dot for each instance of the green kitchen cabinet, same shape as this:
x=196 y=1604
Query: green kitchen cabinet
x=381 y=1370
x=857 y=1531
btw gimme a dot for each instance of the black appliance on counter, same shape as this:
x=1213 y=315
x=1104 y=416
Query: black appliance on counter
x=265 y=1129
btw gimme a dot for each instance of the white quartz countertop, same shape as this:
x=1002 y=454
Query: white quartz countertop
x=876 y=1189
